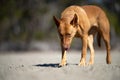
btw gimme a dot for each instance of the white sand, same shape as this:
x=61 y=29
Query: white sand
x=44 y=66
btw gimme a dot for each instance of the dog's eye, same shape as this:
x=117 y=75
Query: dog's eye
x=61 y=35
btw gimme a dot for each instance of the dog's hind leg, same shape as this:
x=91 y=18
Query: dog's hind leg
x=105 y=32
x=90 y=44
x=106 y=38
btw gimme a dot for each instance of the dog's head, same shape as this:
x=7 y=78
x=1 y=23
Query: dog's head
x=66 y=30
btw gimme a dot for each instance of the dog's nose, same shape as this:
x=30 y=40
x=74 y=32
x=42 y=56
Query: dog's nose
x=66 y=48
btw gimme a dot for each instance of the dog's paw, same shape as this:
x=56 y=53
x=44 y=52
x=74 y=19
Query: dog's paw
x=108 y=60
x=62 y=64
x=82 y=62
x=90 y=63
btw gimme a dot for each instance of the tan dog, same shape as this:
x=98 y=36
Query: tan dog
x=83 y=22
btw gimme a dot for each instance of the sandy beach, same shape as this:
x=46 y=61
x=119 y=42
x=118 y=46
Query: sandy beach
x=44 y=66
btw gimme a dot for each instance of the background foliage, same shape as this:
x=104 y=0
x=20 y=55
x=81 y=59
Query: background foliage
x=22 y=21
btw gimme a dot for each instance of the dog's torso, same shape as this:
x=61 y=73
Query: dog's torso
x=88 y=15
x=94 y=13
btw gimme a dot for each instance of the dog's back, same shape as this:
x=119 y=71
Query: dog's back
x=94 y=14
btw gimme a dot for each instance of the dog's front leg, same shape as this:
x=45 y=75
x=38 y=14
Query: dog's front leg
x=90 y=44
x=84 y=50
x=63 y=60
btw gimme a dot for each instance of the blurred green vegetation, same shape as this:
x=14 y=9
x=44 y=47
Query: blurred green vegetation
x=113 y=18
x=26 y=20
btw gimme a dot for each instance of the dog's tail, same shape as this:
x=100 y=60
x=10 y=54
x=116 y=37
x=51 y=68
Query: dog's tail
x=99 y=39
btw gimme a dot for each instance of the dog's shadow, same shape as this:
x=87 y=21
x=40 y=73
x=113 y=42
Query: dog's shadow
x=54 y=65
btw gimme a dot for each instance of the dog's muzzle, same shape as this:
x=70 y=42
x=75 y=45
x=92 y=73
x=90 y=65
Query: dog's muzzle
x=66 y=47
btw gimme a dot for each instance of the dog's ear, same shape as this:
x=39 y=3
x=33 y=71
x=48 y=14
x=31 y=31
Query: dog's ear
x=57 y=21
x=74 y=21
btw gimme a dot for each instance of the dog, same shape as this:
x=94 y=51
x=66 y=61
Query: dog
x=83 y=22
